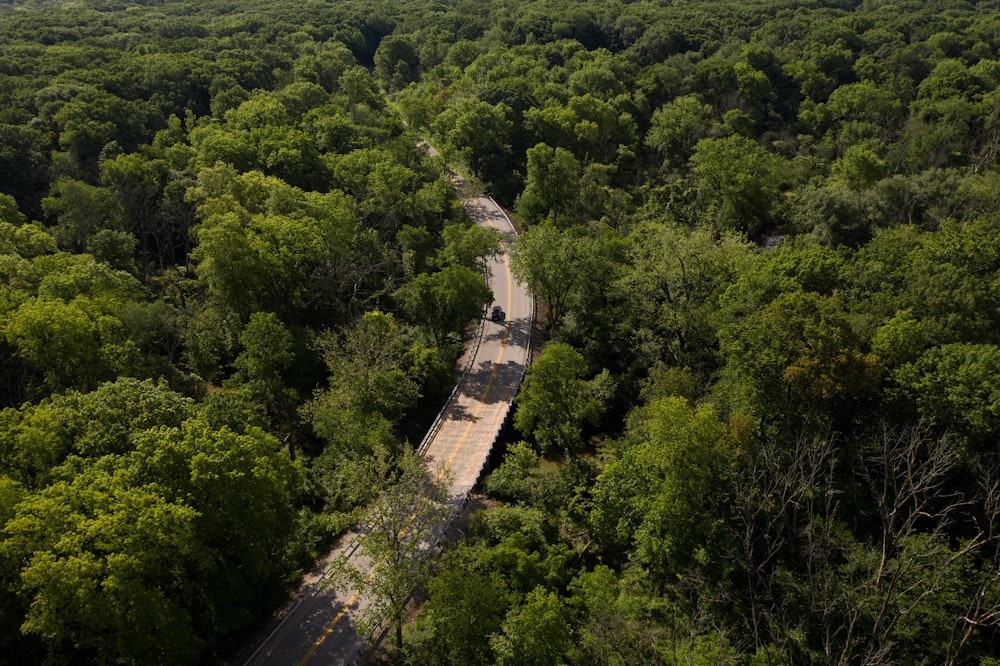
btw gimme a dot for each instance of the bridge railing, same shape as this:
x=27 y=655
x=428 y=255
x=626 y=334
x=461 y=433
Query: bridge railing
x=439 y=419
x=435 y=427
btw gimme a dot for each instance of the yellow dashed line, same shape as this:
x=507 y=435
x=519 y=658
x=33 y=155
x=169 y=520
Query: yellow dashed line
x=454 y=453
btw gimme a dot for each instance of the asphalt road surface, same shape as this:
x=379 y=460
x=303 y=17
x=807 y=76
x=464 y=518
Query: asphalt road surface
x=318 y=628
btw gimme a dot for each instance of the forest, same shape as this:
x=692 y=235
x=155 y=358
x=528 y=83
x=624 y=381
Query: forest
x=764 y=244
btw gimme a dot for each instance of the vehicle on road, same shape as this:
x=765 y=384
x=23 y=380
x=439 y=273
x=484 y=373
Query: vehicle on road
x=497 y=314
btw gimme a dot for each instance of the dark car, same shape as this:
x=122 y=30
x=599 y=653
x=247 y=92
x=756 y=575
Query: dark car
x=497 y=314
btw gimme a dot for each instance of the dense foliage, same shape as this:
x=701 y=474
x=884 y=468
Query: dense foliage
x=764 y=242
x=218 y=247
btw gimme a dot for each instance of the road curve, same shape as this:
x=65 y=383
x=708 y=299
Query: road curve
x=318 y=628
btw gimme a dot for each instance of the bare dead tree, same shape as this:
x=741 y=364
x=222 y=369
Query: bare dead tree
x=779 y=495
x=816 y=582
x=906 y=472
x=983 y=609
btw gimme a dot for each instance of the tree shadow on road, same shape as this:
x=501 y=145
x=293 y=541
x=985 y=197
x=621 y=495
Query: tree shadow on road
x=501 y=380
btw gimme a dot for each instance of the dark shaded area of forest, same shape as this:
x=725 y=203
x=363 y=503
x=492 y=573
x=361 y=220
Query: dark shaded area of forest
x=763 y=240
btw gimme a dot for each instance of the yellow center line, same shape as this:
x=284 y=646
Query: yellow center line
x=489 y=383
x=444 y=468
x=329 y=628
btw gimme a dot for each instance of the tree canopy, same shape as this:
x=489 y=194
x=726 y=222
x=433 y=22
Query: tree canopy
x=763 y=242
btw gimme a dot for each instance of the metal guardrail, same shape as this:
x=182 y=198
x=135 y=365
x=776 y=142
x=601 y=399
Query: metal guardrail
x=436 y=425
x=510 y=401
x=439 y=419
x=355 y=542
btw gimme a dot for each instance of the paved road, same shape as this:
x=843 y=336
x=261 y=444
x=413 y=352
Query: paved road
x=318 y=629
x=480 y=404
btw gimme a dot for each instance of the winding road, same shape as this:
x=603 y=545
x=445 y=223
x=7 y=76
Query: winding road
x=318 y=629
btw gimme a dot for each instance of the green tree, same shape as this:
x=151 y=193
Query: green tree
x=371 y=385
x=227 y=264
x=864 y=110
x=254 y=261
x=105 y=421
x=86 y=125
x=35 y=440
x=798 y=356
x=210 y=335
x=400 y=527
x=150 y=551
x=242 y=486
x=554 y=265
x=614 y=627
x=301 y=97
x=360 y=89
x=954 y=386
x=101 y=563
x=553 y=125
x=551 y=185
x=658 y=499
x=464 y=607
x=81 y=211
x=263 y=244
x=114 y=248
x=859 y=167
x=136 y=184
x=23 y=164
x=900 y=340
x=520 y=477
x=91 y=425
x=27 y=241
x=947 y=285
x=479 y=133
x=835 y=216
x=367 y=367
x=602 y=131
x=71 y=345
x=670 y=288
x=555 y=400
x=536 y=634
x=677 y=126
x=797 y=264
x=266 y=355
x=216 y=144
x=345 y=473
x=739 y=183
x=396 y=62
x=468 y=245
x=446 y=301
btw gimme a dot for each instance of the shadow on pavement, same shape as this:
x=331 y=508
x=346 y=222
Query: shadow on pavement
x=458 y=412
x=504 y=376
x=516 y=331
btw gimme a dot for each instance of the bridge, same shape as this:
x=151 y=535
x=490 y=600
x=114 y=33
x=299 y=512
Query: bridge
x=318 y=628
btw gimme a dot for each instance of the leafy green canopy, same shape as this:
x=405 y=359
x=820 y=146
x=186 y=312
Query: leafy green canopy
x=771 y=223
